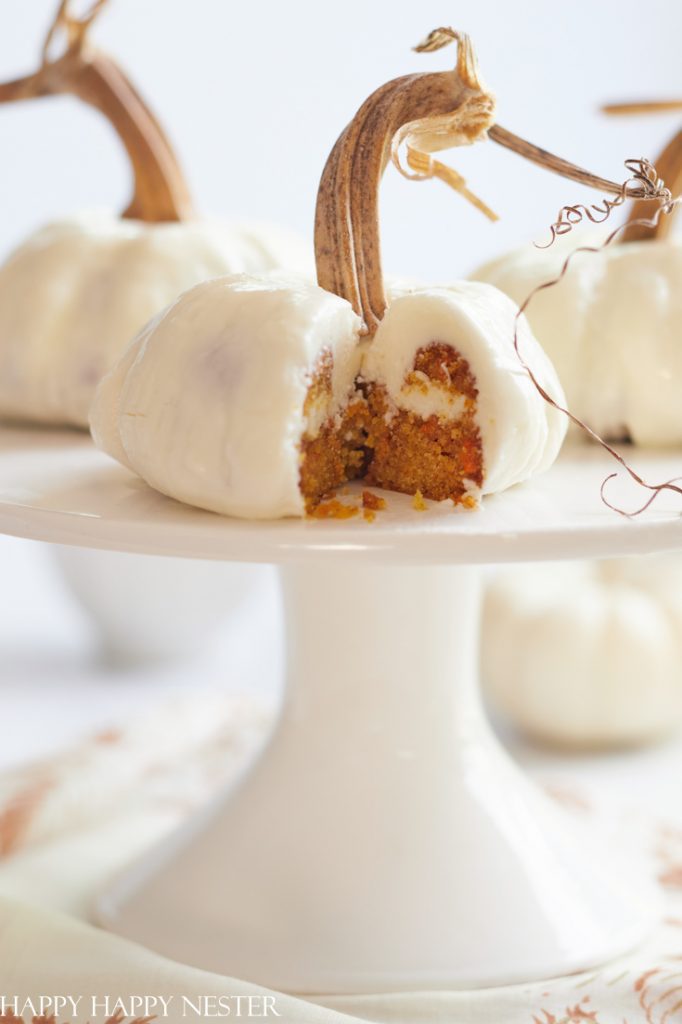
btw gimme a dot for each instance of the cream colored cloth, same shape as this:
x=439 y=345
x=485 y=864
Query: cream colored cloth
x=68 y=824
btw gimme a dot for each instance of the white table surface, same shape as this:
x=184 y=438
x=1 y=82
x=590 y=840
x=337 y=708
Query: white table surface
x=54 y=687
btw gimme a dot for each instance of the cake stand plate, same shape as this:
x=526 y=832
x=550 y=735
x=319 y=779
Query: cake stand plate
x=384 y=840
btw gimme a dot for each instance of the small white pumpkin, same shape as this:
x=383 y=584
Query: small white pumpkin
x=586 y=654
x=76 y=292
x=613 y=325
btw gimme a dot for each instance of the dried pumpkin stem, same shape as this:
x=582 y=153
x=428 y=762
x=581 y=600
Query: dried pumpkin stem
x=439 y=110
x=424 y=167
x=551 y=162
x=428 y=112
x=160 y=192
x=668 y=166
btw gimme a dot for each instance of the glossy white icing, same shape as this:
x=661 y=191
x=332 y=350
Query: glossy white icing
x=520 y=432
x=207 y=403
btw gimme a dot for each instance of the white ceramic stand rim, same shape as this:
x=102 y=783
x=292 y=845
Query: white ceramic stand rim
x=55 y=486
x=383 y=840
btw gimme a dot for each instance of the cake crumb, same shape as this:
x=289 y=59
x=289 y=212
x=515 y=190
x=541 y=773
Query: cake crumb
x=418 y=503
x=468 y=501
x=373 y=501
x=369 y=515
x=333 y=510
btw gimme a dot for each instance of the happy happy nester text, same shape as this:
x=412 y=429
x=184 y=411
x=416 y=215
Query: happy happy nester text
x=137 y=1006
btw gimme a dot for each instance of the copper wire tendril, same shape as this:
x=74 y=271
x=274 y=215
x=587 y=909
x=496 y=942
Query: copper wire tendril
x=643 y=183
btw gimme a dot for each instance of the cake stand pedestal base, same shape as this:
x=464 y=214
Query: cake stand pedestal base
x=384 y=841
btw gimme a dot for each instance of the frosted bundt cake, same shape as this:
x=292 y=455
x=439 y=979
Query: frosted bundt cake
x=259 y=396
x=256 y=397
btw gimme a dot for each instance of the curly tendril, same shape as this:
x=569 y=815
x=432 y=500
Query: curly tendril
x=643 y=183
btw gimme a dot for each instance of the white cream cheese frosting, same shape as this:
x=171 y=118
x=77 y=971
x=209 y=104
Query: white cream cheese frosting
x=613 y=329
x=521 y=433
x=77 y=291
x=207 y=405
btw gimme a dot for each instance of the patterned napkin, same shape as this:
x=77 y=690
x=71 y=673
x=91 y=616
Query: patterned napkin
x=68 y=824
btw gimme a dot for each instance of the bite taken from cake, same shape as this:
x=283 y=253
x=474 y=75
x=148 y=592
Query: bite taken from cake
x=260 y=396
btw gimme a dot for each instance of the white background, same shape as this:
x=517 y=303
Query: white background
x=255 y=93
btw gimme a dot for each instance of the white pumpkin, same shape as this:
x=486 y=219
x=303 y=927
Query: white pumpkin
x=76 y=292
x=613 y=325
x=211 y=404
x=256 y=396
x=586 y=654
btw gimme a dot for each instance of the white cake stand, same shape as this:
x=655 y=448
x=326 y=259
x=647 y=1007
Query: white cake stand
x=384 y=841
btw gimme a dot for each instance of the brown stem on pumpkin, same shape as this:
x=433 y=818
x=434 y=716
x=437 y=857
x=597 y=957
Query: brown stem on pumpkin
x=668 y=166
x=428 y=112
x=160 y=192
x=551 y=162
x=436 y=110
